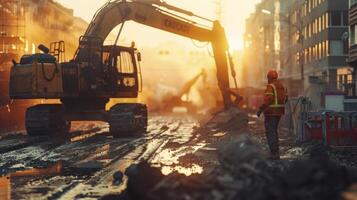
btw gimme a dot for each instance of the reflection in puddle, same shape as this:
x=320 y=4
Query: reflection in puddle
x=5 y=189
x=171 y=157
x=220 y=134
x=53 y=170
x=5 y=181
x=173 y=160
x=87 y=135
x=188 y=171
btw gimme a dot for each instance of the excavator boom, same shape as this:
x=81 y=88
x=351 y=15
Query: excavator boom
x=149 y=12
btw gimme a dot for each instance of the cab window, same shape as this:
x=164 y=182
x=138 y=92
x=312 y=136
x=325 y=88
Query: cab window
x=125 y=63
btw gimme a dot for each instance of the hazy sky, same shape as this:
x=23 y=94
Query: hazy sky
x=234 y=14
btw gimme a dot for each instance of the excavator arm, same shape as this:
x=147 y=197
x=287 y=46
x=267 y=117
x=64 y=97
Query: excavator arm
x=150 y=13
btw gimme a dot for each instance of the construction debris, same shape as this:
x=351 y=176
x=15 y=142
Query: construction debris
x=243 y=172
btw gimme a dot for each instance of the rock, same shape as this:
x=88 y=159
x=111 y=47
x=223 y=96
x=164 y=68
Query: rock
x=142 y=178
x=132 y=170
x=239 y=151
x=232 y=119
x=313 y=179
x=118 y=178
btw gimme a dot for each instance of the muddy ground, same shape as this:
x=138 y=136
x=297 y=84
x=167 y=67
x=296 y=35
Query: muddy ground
x=180 y=157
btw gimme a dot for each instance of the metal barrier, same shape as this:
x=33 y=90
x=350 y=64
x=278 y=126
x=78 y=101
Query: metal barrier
x=333 y=128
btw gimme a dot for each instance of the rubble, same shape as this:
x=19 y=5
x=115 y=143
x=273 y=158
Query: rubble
x=244 y=172
x=141 y=179
x=251 y=176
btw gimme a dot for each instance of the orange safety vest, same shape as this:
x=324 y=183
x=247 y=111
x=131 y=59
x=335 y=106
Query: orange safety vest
x=275 y=98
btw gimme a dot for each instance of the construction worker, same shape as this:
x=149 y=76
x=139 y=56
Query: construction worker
x=275 y=97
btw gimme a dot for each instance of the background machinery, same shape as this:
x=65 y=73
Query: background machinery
x=97 y=73
x=182 y=98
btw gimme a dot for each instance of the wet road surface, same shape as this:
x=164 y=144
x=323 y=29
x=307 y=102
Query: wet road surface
x=86 y=164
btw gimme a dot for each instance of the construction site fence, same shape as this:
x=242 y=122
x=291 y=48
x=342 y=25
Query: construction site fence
x=330 y=127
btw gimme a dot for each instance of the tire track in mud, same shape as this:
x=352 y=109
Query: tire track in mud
x=81 y=156
x=102 y=182
x=19 y=140
x=35 y=148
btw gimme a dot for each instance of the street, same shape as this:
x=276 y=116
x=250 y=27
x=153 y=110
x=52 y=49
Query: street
x=47 y=168
x=180 y=156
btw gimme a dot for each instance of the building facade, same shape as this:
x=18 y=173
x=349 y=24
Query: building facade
x=350 y=78
x=308 y=46
x=24 y=24
x=319 y=34
x=259 y=47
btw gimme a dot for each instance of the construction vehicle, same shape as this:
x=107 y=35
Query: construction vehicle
x=97 y=73
x=182 y=98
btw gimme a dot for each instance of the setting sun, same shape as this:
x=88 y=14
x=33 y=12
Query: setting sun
x=235 y=43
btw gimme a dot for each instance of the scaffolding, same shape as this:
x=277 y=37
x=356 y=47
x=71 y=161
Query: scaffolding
x=12 y=29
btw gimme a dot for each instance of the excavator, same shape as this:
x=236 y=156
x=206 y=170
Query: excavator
x=174 y=101
x=98 y=72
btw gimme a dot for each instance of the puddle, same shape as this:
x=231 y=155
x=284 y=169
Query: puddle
x=6 y=181
x=187 y=171
x=91 y=133
x=177 y=155
x=221 y=134
x=110 y=155
x=178 y=160
x=53 y=170
x=5 y=188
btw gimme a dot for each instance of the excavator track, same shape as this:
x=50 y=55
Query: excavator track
x=46 y=119
x=128 y=119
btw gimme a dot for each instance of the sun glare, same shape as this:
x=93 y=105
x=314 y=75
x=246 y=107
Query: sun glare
x=235 y=42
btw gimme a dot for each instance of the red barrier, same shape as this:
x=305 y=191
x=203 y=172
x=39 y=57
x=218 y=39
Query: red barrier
x=334 y=129
x=340 y=130
x=313 y=127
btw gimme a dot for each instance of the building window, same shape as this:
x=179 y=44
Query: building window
x=345 y=47
x=345 y=18
x=306 y=60
x=353 y=2
x=328 y=48
x=353 y=37
x=346 y=82
x=336 y=18
x=311 y=54
x=339 y=18
x=336 y=48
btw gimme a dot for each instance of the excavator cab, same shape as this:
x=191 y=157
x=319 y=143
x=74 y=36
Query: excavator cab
x=124 y=74
x=111 y=69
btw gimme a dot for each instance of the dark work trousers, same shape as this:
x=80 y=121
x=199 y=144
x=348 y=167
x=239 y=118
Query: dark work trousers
x=271 y=131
